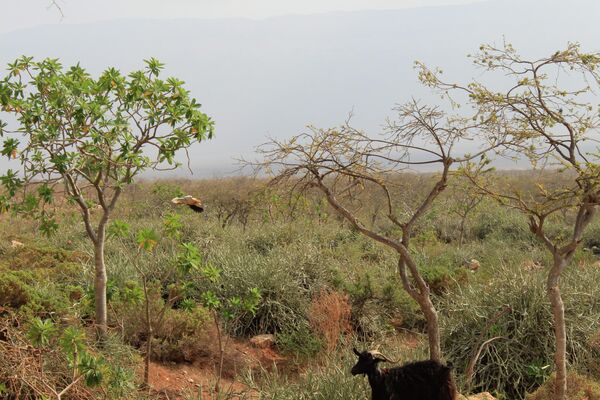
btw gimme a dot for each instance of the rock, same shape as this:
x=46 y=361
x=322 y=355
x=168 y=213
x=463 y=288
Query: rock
x=480 y=396
x=472 y=264
x=530 y=265
x=15 y=244
x=263 y=341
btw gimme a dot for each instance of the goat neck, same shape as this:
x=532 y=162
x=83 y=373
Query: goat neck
x=377 y=382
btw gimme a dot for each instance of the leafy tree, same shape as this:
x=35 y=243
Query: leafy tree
x=92 y=137
x=544 y=109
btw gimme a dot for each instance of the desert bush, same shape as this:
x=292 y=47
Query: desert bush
x=286 y=276
x=300 y=342
x=179 y=334
x=442 y=268
x=329 y=317
x=591 y=237
x=14 y=289
x=578 y=388
x=515 y=313
x=491 y=222
x=379 y=303
x=34 y=293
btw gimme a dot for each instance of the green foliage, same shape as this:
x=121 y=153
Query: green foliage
x=515 y=311
x=41 y=332
x=14 y=292
x=299 y=342
x=180 y=334
x=189 y=258
x=147 y=239
x=173 y=225
x=32 y=293
x=93 y=369
x=132 y=293
x=73 y=346
x=492 y=223
x=119 y=229
x=591 y=237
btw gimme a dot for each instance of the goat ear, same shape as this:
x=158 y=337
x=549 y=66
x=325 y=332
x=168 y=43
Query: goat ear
x=356 y=351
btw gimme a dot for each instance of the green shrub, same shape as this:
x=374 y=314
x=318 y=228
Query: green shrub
x=286 y=276
x=512 y=307
x=14 y=291
x=300 y=343
x=179 y=334
x=493 y=223
x=591 y=237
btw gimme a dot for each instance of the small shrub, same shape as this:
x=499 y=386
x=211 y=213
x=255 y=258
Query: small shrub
x=491 y=222
x=14 y=292
x=591 y=237
x=300 y=343
x=513 y=308
x=179 y=334
x=329 y=317
x=442 y=279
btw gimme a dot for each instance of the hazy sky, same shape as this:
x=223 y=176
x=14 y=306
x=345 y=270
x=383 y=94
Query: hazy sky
x=265 y=77
x=17 y=14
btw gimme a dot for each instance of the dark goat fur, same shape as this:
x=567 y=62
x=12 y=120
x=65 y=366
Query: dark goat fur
x=421 y=380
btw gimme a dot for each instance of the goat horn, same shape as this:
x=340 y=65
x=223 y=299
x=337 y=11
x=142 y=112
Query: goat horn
x=377 y=355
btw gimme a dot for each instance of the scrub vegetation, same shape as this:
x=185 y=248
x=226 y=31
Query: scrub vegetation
x=109 y=289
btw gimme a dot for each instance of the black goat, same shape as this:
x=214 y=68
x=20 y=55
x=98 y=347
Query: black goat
x=422 y=380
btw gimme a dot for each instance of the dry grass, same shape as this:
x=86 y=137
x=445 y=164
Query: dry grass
x=329 y=317
x=579 y=388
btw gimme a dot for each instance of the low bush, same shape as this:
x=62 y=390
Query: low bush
x=32 y=293
x=300 y=343
x=591 y=237
x=515 y=313
x=287 y=276
x=179 y=334
x=329 y=317
x=380 y=305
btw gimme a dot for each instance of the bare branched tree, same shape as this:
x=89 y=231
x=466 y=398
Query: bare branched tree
x=54 y=4
x=548 y=118
x=344 y=161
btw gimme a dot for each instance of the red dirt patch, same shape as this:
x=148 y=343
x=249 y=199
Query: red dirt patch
x=176 y=381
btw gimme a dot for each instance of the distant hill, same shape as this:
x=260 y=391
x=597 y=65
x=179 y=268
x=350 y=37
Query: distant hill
x=274 y=76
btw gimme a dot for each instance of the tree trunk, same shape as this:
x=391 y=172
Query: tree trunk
x=433 y=328
x=462 y=231
x=422 y=296
x=100 y=289
x=560 y=331
x=149 y=336
x=221 y=353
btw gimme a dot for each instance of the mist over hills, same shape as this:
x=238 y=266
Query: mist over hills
x=272 y=77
